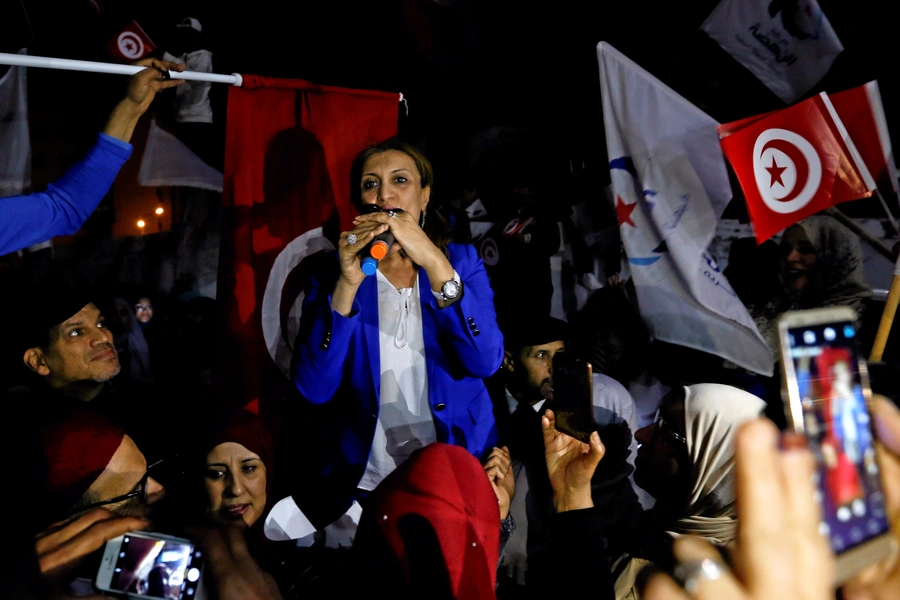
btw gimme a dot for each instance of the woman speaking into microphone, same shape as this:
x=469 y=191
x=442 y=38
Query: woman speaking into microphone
x=393 y=361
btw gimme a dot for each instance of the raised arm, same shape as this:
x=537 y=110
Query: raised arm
x=67 y=202
x=325 y=337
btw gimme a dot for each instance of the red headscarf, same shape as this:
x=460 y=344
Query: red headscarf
x=77 y=443
x=247 y=429
x=435 y=519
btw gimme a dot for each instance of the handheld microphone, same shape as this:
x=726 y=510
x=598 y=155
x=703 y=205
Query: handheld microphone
x=378 y=248
x=374 y=251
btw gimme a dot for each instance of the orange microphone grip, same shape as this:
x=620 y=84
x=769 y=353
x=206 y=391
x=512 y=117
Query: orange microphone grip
x=378 y=250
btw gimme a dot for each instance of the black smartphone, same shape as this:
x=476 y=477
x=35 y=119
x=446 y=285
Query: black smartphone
x=826 y=392
x=572 y=401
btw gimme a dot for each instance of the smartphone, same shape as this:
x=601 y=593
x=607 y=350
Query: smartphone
x=826 y=392
x=572 y=401
x=152 y=566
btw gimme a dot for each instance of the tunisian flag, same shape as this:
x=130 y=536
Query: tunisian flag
x=862 y=112
x=793 y=163
x=288 y=151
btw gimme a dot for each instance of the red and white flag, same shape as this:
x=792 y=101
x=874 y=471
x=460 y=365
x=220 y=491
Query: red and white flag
x=793 y=163
x=131 y=43
x=862 y=113
x=288 y=151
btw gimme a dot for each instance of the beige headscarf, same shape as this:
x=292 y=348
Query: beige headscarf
x=712 y=414
x=840 y=277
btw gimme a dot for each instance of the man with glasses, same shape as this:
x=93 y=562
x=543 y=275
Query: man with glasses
x=91 y=462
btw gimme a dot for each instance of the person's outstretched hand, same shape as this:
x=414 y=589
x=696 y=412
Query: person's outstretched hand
x=570 y=465
x=881 y=581
x=142 y=89
x=61 y=547
x=779 y=552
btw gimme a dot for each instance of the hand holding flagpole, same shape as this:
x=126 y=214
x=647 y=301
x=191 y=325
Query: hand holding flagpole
x=23 y=60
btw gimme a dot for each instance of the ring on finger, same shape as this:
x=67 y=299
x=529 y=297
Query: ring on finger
x=351 y=238
x=392 y=213
x=692 y=572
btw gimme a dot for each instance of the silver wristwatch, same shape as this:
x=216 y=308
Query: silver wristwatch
x=449 y=290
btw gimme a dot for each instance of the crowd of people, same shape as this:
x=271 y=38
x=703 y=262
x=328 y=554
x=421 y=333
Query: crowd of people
x=439 y=468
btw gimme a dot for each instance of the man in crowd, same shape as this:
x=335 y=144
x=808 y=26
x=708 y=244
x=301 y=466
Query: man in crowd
x=63 y=349
x=521 y=391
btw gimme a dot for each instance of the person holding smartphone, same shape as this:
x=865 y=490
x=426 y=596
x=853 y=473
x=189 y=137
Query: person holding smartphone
x=393 y=361
x=525 y=386
x=780 y=552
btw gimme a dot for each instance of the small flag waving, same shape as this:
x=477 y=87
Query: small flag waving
x=793 y=163
x=788 y=45
x=131 y=43
x=670 y=184
x=862 y=113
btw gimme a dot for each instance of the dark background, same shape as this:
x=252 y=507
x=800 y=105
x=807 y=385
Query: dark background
x=465 y=66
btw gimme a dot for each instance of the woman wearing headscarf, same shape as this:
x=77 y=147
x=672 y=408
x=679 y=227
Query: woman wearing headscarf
x=820 y=264
x=686 y=461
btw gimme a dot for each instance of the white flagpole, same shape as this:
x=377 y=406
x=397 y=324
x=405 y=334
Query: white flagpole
x=22 y=60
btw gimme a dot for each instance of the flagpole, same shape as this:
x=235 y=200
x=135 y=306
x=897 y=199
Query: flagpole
x=887 y=211
x=24 y=60
x=887 y=317
x=856 y=228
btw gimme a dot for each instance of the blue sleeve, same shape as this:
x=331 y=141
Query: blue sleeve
x=470 y=325
x=66 y=203
x=323 y=343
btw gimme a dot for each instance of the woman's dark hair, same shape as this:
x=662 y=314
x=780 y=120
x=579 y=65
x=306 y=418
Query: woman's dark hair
x=436 y=227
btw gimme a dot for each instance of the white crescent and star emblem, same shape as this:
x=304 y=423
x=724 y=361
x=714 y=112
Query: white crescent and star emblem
x=283 y=300
x=130 y=45
x=787 y=169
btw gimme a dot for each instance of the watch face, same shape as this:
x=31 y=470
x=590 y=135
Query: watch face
x=450 y=289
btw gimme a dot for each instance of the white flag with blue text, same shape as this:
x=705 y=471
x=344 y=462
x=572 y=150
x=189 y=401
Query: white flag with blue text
x=670 y=184
x=789 y=45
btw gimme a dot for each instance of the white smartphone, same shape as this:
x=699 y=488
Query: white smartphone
x=826 y=393
x=151 y=566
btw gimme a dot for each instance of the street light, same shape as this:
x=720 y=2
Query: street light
x=160 y=210
x=141 y=223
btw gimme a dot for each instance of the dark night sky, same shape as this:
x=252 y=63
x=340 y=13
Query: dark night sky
x=464 y=67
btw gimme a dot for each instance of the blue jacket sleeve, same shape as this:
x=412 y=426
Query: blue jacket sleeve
x=66 y=203
x=323 y=343
x=470 y=325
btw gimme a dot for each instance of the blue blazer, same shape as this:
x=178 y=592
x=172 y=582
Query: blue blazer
x=337 y=370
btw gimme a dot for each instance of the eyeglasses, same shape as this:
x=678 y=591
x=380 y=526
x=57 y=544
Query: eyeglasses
x=139 y=490
x=663 y=429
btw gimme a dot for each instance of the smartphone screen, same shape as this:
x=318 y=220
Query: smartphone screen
x=572 y=396
x=836 y=420
x=156 y=568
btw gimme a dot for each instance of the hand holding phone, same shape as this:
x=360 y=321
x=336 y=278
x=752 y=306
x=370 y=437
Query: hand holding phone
x=151 y=566
x=572 y=400
x=62 y=547
x=827 y=392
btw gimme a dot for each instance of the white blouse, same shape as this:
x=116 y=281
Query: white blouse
x=405 y=423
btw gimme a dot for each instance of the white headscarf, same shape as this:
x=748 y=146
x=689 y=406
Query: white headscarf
x=712 y=414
